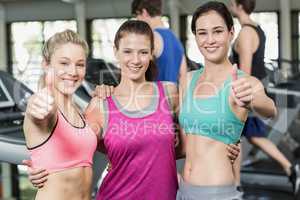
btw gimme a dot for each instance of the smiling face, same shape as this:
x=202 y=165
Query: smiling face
x=213 y=37
x=134 y=55
x=69 y=65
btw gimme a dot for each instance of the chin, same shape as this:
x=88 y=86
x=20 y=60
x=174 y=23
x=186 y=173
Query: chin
x=213 y=59
x=68 y=90
x=135 y=77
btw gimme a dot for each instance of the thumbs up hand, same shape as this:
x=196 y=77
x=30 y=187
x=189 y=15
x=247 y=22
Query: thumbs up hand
x=41 y=105
x=241 y=90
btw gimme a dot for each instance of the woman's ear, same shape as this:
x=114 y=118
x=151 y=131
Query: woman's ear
x=45 y=64
x=116 y=52
x=231 y=32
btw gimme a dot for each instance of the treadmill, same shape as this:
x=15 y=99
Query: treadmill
x=13 y=101
x=260 y=175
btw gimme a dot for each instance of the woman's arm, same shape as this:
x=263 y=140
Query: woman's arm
x=171 y=91
x=40 y=118
x=250 y=91
x=261 y=103
x=245 y=48
x=95 y=117
x=40 y=115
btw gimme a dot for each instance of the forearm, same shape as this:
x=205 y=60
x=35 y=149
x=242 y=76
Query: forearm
x=264 y=106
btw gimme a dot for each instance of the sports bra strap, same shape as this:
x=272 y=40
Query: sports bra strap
x=193 y=83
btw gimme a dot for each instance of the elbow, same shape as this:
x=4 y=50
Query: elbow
x=275 y=112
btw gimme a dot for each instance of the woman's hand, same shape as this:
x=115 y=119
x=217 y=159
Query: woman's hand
x=233 y=151
x=242 y=91
x=37 y=177
x=41 y=105
x=103 y=91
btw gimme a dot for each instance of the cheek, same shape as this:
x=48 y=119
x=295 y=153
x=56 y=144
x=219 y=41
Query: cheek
x=82 y=71
x=200 y=41
x=123 y=59
x=146 y=60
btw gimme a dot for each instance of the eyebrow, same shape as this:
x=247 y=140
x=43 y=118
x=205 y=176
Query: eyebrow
x=202 y=29
x=81 y=60
x=64 y=58
x=126 y=48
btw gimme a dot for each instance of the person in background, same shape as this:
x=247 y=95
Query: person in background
x=168 y=50
x=248 y=53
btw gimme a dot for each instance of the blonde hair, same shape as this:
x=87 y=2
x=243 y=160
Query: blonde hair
x=57 y=40
x=61 y=38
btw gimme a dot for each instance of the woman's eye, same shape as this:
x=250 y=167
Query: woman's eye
x=201 y=33
x=80 y=65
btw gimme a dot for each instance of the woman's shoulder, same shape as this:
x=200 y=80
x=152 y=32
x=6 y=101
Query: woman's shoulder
x=170 y=86
x=96 y=105
x=171 y=92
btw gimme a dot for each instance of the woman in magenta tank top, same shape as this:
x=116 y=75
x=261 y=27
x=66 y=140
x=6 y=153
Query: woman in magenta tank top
x=137 y=124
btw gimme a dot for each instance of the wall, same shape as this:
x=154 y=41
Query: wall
x=44 y=10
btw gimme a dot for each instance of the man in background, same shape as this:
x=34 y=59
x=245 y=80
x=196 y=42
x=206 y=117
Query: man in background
x=249 y=53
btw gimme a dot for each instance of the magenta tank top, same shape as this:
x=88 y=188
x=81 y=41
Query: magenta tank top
x=141 y=151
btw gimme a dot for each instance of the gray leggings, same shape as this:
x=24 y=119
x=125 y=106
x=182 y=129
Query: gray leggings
x=187 y=191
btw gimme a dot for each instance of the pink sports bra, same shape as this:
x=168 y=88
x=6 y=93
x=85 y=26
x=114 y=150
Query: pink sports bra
x=66 y=147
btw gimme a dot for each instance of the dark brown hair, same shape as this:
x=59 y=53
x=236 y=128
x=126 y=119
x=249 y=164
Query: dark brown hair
x=153 y=7
x=218 y=7
x=248 y=5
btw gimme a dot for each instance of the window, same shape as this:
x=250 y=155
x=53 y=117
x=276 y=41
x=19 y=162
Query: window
x=192 y=50
x=27 y=39
x=268 y=22
x=103 y=33
x=299 y=36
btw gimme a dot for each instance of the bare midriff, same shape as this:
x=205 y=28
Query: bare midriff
x=206 y=162
x=72 y=184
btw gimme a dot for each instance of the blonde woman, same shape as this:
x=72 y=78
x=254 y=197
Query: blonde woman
x=57 y=135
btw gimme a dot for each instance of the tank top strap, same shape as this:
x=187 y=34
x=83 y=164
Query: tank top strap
x=162 y=96
x=193 y=83
x=256 y=28
x=111 y=106
x=161 y=90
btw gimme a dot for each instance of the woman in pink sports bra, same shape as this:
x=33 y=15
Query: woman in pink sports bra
x=57 y=136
